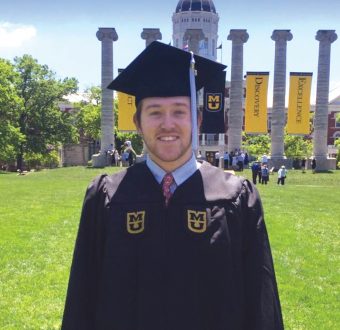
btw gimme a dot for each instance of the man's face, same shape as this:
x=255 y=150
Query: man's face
x=165 y=125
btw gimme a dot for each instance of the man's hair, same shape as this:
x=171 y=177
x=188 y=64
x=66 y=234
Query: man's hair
x=139 y=111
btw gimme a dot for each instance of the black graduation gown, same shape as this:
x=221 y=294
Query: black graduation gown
x=202 y=263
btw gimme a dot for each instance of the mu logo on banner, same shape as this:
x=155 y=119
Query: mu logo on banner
x=213 y=102
x=197 y=221
x=135 y=222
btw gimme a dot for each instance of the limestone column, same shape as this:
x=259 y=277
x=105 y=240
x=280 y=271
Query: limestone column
x=320 y=149
x=235 y=113
x=150 y=35
x=106 y=36
x=278 y=111
x=193 y=36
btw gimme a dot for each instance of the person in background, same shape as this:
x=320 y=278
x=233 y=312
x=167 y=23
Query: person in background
x=226 y=160
x=255 y=168
x=246 y=160
x=264 y=174
x=129 y=153
x=171 y=243
x=281 y=175
x=217 y=158
x=303 y=165
x=264 y=159
x=313 y=165
x=240 y=161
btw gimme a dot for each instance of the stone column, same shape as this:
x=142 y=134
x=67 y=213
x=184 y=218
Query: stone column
x=235 y=113
x=150 y=35
x=194 y=36
x=106 y=36
x=320 y=149
x=278 y=111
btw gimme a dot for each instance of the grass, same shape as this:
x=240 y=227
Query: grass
x=39 y=215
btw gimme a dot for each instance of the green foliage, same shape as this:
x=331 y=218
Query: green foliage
x=136 y=140
x=337 y=144
x=10 y=136
x=29 y=98
x=297 y=147
x=256 y=145
x=94 y=94
x=10 y=140
x=88 y=120
x=337 y=118
x=38 y=160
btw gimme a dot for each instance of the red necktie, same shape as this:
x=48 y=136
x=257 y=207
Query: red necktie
x=168 y=180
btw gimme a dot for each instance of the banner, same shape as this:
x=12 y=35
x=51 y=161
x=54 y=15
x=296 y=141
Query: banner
x=256 y=102
x=213 y=105
x=299 y=103
x=126 y=110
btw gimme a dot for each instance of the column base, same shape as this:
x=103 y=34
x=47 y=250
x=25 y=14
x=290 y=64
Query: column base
x=277 y=162
x=324 y=163
x=99 y=160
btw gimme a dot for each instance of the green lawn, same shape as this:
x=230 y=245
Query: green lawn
x=39 y=215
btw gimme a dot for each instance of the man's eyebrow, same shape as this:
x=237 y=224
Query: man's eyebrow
x=157 y=105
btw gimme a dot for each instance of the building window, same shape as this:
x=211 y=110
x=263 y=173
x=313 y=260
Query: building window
x=337 y=123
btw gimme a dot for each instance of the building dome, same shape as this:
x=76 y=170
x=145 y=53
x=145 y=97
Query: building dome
x=195 y=5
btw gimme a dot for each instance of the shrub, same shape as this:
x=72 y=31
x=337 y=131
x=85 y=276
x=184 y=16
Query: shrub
x=38 y=160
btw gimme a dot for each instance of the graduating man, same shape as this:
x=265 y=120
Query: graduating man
x=170 y=243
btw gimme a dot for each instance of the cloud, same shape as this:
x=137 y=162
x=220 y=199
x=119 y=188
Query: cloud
x=14 y=35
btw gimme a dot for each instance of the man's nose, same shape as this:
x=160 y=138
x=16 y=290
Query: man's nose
x=168 y=121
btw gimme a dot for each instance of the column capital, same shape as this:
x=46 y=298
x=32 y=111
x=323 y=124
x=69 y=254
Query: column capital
x=151 y=34
x=326 y=35
x=107 y=33
x=238 y=35
x=282 y=35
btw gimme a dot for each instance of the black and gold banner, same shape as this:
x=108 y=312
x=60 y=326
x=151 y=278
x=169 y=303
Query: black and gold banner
x=299 y=103
x=213 y=105
x=256 y=102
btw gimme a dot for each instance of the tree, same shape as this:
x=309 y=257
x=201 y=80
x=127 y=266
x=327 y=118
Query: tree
x=94 y=95
x=10 y=136
x=88 y=120
x=297 y=147
x=39 y=118
x=256 y=145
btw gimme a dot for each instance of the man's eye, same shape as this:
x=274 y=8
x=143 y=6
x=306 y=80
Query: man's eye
x=180 y=112
x=154 y=113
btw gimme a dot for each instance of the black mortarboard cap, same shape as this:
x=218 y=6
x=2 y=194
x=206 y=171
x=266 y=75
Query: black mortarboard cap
x=163 y=70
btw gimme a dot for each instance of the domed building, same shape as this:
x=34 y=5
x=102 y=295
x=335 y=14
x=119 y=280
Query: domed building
x=195 y=25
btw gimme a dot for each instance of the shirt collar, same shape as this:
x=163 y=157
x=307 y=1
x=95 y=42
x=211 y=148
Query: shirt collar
x=180 y=175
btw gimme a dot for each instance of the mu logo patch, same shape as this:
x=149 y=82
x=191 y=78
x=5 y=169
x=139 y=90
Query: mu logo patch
x=214 y=102
x=135 y=222
x=197 y=221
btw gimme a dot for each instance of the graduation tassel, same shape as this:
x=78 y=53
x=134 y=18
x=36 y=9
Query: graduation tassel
x=193 y=95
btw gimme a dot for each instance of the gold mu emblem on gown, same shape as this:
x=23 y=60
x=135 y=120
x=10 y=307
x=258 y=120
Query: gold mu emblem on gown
x=197 y=221
x=135 y=222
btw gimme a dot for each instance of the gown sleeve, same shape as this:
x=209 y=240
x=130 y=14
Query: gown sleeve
x=79 y=312
x=263 y=310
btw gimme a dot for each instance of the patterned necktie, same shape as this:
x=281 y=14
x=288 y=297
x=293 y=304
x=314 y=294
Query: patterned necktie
x=168 y=180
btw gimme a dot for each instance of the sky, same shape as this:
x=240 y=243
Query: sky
x=62 y=34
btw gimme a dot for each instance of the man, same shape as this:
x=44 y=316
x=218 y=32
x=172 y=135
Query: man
x=281 y=175
x=171 y=244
